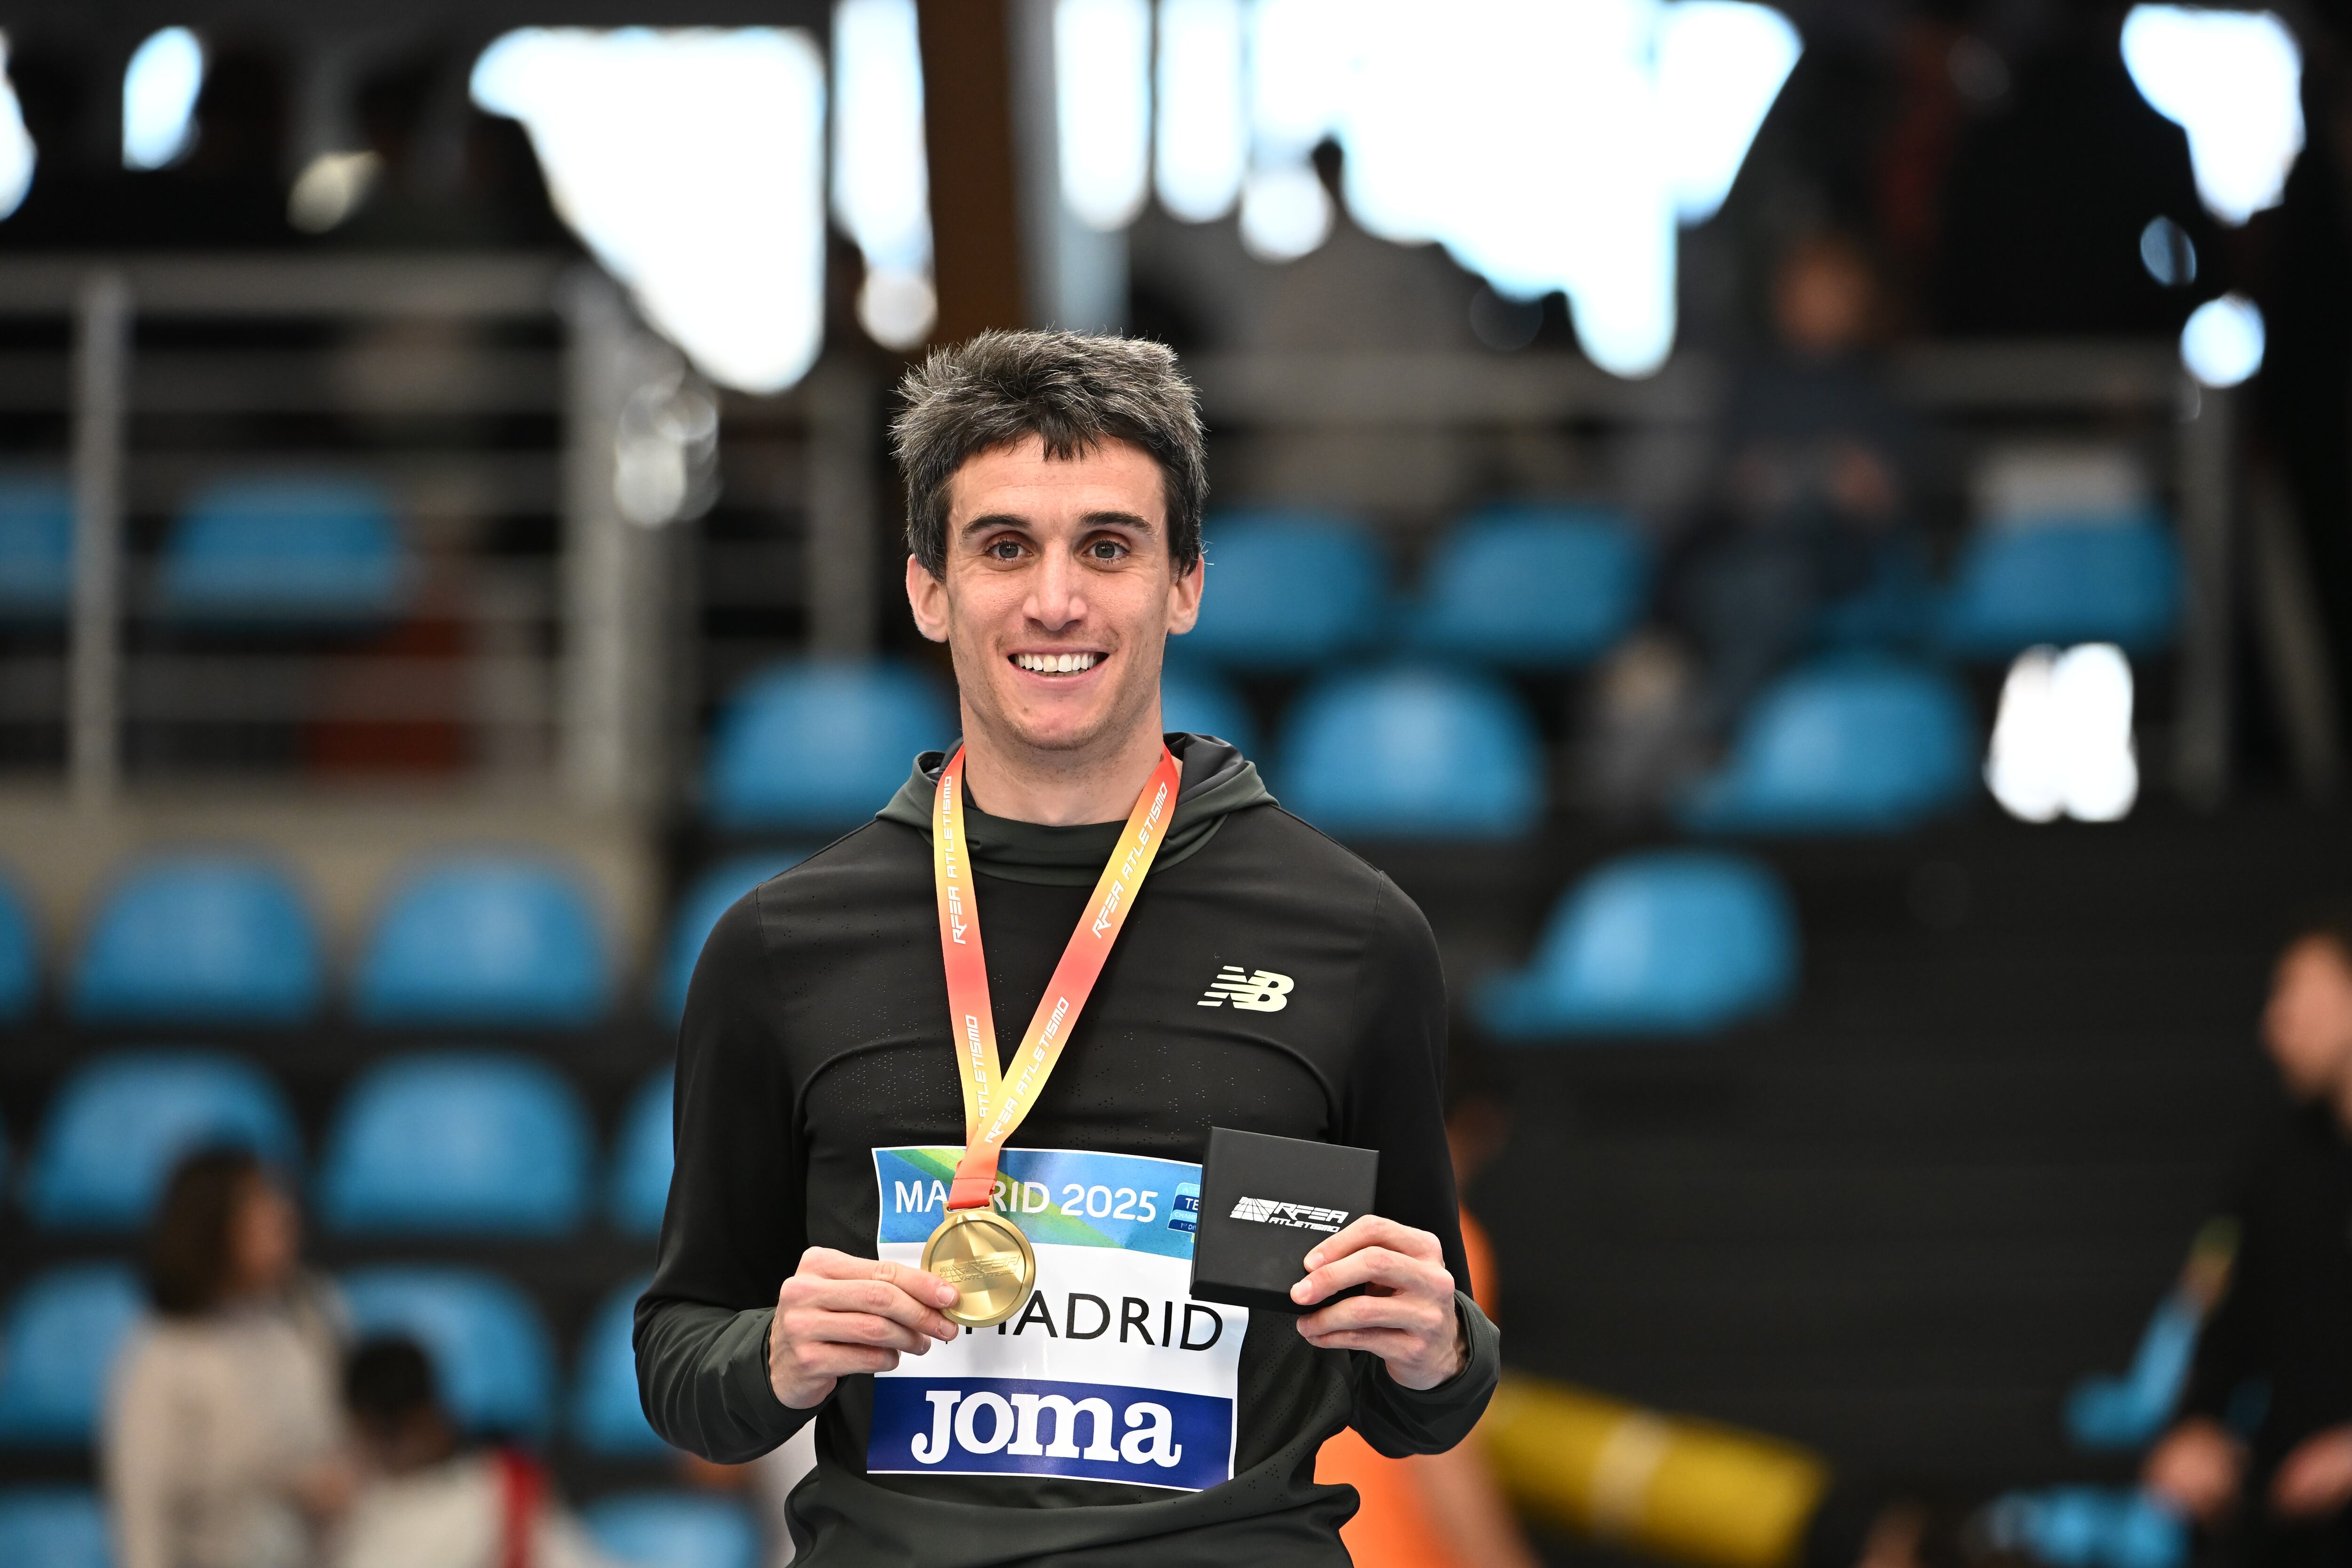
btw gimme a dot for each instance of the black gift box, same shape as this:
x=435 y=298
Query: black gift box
x=1264 y=1202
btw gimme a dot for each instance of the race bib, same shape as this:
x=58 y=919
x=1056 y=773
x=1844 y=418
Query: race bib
x=1108 y=1373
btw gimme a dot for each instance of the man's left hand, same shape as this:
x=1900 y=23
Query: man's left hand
x=1405 y=1317
x=2316 y=1478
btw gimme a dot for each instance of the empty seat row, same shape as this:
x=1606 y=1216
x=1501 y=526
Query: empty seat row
x=494 y=1358
x=489 y=941
x=255 y=552
x=455 y=1143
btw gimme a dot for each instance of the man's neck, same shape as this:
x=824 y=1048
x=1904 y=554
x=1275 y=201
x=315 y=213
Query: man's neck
x=1059 y=789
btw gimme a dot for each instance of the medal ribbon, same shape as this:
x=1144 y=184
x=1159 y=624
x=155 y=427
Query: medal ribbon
x=995 y=1101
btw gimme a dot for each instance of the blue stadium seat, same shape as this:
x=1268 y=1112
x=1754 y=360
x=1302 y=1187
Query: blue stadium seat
x=58 y=1346
x=642 y=1158
x=1532 y=587
x=20 y=958
x=607 y=1415
x=480 y=1145
x=674 y=1530
x=37 y=526
x=712 y=895
x=822 y=745
x=117 y=1128
x=1854 y=745
x=1413 y=753
x=2128 y=1413
x=2088 y=1527
x=311 y=550
x=489 y=1349
x=2116 y=581
x=53 y=1527
x=200 y=938
x=1673 y=942
x=1288 y=591
x=501 y=940
x=1194 y=700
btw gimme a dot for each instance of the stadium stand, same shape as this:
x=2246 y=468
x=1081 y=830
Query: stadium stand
x=1676 y=941
x=2089 y=1527
x=816 y=746
x=458 y=1144
x=1852 y=743
x=1412 y=752
x=36 y=521
x=200 y=938
x=711 y=895
x=641 y=1159
x=488 y=1346
x=674 y=1530
x=1196 y=700
x=116 y=1127
x=2113 y=580
x=53 y=1527
x=291 y=550
x=606 y=1416
x=1288 y=591
x=20 y=958
x=1531 y=588
x=497 y=941
x=58 y=1343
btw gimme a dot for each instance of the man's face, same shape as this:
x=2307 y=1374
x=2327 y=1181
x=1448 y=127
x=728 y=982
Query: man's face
x=1059 y=593
x=2308 y=1024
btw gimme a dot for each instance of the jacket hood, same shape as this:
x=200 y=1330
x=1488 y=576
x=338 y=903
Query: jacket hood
x=1216 y=781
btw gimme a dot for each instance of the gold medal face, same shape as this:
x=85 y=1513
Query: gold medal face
x=984 y=1256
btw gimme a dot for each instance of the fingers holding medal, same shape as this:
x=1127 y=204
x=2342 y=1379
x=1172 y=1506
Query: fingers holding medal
x=840 y=1314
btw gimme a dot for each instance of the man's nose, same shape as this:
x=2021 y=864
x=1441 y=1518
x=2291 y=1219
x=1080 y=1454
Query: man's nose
x=1056 y=599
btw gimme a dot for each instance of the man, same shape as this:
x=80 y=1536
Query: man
x=2264 y=1445
x=1266 y=980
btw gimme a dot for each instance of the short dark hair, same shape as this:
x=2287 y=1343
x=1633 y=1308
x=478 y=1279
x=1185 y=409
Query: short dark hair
x=388 y=1378
x=1073 y=391
x=188 y=1248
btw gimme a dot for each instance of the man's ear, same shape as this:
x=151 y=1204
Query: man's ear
x=928 y=597
x=1184 y=596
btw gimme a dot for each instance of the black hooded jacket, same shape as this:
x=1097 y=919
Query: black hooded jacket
x=814 y=1063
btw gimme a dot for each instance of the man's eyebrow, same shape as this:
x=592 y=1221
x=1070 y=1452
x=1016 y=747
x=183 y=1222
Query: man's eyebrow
x=987 y=520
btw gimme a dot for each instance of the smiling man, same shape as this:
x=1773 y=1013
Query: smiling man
x=967 y=1262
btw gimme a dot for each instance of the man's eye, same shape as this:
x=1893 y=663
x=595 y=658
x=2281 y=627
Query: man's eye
x=1106 y=550
x=1005 y=550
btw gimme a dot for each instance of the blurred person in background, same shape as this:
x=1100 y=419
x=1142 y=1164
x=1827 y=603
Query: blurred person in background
x=2261 y=1454
x=428 y=1501
x=222 y=1446
x=1809 y=533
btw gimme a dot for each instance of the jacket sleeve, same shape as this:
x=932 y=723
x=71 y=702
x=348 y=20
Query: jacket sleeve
x=1394 y=1102
x=737 y=1221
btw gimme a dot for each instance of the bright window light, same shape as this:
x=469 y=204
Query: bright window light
x=1301 y=67
x=17 y=154
x=2233 y=81
x=1201 y=143
x=1285 y=213
x=1102 y=107
x=2061 y=745
x=1720 y=66
x=159 y=98
x=881 y=175
x=691 y=161
x=2222 y=343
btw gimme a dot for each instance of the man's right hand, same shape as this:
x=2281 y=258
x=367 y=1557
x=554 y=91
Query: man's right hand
x=839 y=1314
x=2198 y=1468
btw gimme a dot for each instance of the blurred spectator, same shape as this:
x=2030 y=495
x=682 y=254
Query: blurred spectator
x=1810 y=517
x=768 y=1480
x=2262 y=1452
x=222 y=1441
x=427 y=1501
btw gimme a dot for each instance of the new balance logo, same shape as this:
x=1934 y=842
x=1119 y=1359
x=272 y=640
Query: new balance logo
x=1263 y=992
x=1298 y=1217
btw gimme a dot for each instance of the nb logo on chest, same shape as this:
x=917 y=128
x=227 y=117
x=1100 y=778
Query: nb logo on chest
x=1262 y=992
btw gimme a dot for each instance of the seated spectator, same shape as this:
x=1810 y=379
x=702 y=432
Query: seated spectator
x=222 y=1442
x=1809 y=506
x=2261 y=1454
x=425 y=1499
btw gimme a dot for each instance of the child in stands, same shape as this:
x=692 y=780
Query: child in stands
x=428 y=1501
x=2263 y=1452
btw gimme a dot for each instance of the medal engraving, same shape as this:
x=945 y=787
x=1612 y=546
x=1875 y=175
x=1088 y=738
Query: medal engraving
x=984 y=1256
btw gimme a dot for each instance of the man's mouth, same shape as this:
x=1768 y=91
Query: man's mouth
x=1058 y=663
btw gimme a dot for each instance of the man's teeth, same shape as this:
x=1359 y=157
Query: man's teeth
x=1056 y=663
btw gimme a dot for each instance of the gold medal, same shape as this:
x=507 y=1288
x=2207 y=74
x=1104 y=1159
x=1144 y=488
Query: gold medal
x=983 y=1254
